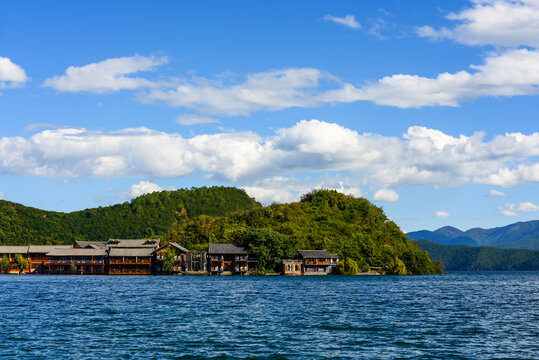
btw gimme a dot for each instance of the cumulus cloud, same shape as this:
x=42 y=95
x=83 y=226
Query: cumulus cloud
x=272 y=90
x=513 y=72
x=492 y=22
x=421 y=157
x=348 y=21
x=11 y=74
x=107 y=76
x=193 y=119
x=493 y=192
x=441 y=214
x=1 y=195
x=513 y=209
x=506 y=177
x=143 y=187
x=281 y=189
x=386 y=195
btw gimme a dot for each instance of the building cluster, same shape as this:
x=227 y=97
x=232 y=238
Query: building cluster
x=148 y=256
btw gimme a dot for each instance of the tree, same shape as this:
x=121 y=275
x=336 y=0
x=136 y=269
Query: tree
x=268 y=246
x=397 y=267
x=21 y=263
x=73 y=267
x=169 y=260
x=348 y=267
x=4 y=265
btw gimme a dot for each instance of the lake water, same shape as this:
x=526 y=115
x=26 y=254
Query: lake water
x=457 y=316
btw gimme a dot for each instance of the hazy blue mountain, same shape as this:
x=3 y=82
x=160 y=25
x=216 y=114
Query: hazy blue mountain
x=520 y=235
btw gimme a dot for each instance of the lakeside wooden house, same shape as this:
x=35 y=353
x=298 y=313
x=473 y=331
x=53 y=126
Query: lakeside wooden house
x=38 y=258
x=180 y=258
x=311 y=262
x=230 y=258
x=130 y=261
x=76 y=261
x=292 y=267
x=10 y=252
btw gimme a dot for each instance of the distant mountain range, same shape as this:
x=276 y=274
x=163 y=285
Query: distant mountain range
x=520 y=235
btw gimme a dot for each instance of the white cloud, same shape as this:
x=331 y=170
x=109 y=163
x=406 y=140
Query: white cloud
x=107 y=76
x=510 y=73
x=441 y=214
x=143 y=187
x=387 y=195
x=505 y=177
x=515 y=208
x=273 y=90
x=193 y=119
x=11 y=74
x=493 y=192
x=421 y=157
x=492 y=22
x=1 y=195
x=513 y=72
x=348 y=21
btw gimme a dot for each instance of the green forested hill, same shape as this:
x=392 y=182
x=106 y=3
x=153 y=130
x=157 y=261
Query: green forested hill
x=323 y=219
x=463 y=257
x=147 y=215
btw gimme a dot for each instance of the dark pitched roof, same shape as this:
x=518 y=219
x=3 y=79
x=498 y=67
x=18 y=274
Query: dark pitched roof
x=77 y=252
x=130 y=252
x=90 y=244
x=334 y=256
x=177 y=246
x=133 y=243
x=227 y=249
x=320 y=254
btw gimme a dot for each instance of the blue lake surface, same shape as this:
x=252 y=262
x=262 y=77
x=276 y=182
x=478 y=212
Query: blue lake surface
x=481 y=315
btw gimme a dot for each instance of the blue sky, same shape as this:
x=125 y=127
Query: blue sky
x=426 y=108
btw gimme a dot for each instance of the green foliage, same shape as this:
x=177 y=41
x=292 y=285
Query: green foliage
x=169 y=260
x=396 y=267
x=21 y=263
x=149 y=215
x=4 y=265
x=268 y=246
x=324 y=219
x=348 y=267
x=72 y=267
x=482 y=258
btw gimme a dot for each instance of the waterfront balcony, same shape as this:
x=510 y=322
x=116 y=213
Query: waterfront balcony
x=317 y=262
x=76 y=262
x=130 y=261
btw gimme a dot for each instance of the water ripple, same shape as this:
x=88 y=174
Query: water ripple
x=458 y=316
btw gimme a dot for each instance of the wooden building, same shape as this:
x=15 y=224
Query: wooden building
x=180 y=258
x=230 y=258
x=129 y=261
x=10 y=252
x=39 y=259
x=76 y=261
x=292 y=267
x=315 y=262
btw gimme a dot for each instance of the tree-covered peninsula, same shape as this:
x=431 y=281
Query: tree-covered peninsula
x=351 y=227
x=359 y=232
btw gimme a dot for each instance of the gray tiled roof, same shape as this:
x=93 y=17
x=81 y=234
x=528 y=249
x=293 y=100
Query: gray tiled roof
x=231 y=249
x=334 y=256
x=91 y=244
x=43 y=249
x=8 y=249
x=319 y=254
x=177 y=246
x=77 y=252
x=130 y=252
x=133 y=243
